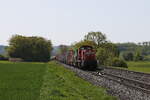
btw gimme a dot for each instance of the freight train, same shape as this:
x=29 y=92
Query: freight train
x=83 y=57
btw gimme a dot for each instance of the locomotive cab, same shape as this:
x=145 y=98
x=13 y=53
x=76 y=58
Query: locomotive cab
x=86 y=57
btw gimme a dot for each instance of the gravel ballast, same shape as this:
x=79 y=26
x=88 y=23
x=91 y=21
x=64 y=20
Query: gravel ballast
x=140 y=76
x=113 y=88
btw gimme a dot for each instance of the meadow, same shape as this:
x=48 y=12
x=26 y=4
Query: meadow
x=21 y=81
x=45 y=81
x=139 y=66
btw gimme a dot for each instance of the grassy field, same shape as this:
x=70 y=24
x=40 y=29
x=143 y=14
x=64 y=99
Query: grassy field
x=139 y=66
x=45 y=81
x=21 y=81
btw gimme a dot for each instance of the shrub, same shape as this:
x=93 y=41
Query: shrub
x=116 y=62
x=128 y=56
x=138 y=56
x=3 y=57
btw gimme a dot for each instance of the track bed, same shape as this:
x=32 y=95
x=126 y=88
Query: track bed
x=122 y=87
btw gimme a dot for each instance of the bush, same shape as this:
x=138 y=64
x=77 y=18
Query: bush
x=105 y=53
x=3 y=57
x=138 y=56
x=128 y=56
x=116 y=62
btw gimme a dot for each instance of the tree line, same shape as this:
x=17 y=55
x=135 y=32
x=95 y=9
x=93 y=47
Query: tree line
x=110 y=54
x=134 y=52
x=29 y=48
x=146 y=43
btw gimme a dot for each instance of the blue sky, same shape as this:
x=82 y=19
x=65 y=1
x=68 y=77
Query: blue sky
x=67 y=21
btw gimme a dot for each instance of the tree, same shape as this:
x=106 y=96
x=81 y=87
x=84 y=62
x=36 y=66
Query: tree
x=2 y=57
x=85 y=42
x=102 y=56
x=138 y=56
x=111 y=49
x=29 y=48
x=128 y=56
x=106 y=53
x=97 y=37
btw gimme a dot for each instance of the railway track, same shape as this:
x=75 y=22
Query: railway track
x=132 y=79
x=131 y=83
x=125 y=88
x=140 y=76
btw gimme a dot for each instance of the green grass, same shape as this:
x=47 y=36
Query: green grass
x=21 y=81
x=61 y=84
x=139 y=66
x=45 y=81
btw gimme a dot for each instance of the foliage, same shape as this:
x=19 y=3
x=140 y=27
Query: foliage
x=123 y=47
x=111 y=49
x=116 y=62
x=3 y=57
x=128 y=56
x=30 y=48
x=132 y=47
x=138 y=56
x=106 y=53
x=145 y=50
x=105 y=50
x=145 y=43
x=102 y=56
x=85 y=42
x=21 y=81
x=97 y=37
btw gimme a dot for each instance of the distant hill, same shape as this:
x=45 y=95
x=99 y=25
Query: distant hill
x=2 y=49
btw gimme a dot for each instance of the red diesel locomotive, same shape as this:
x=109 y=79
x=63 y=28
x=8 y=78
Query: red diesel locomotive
x=83 y=57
